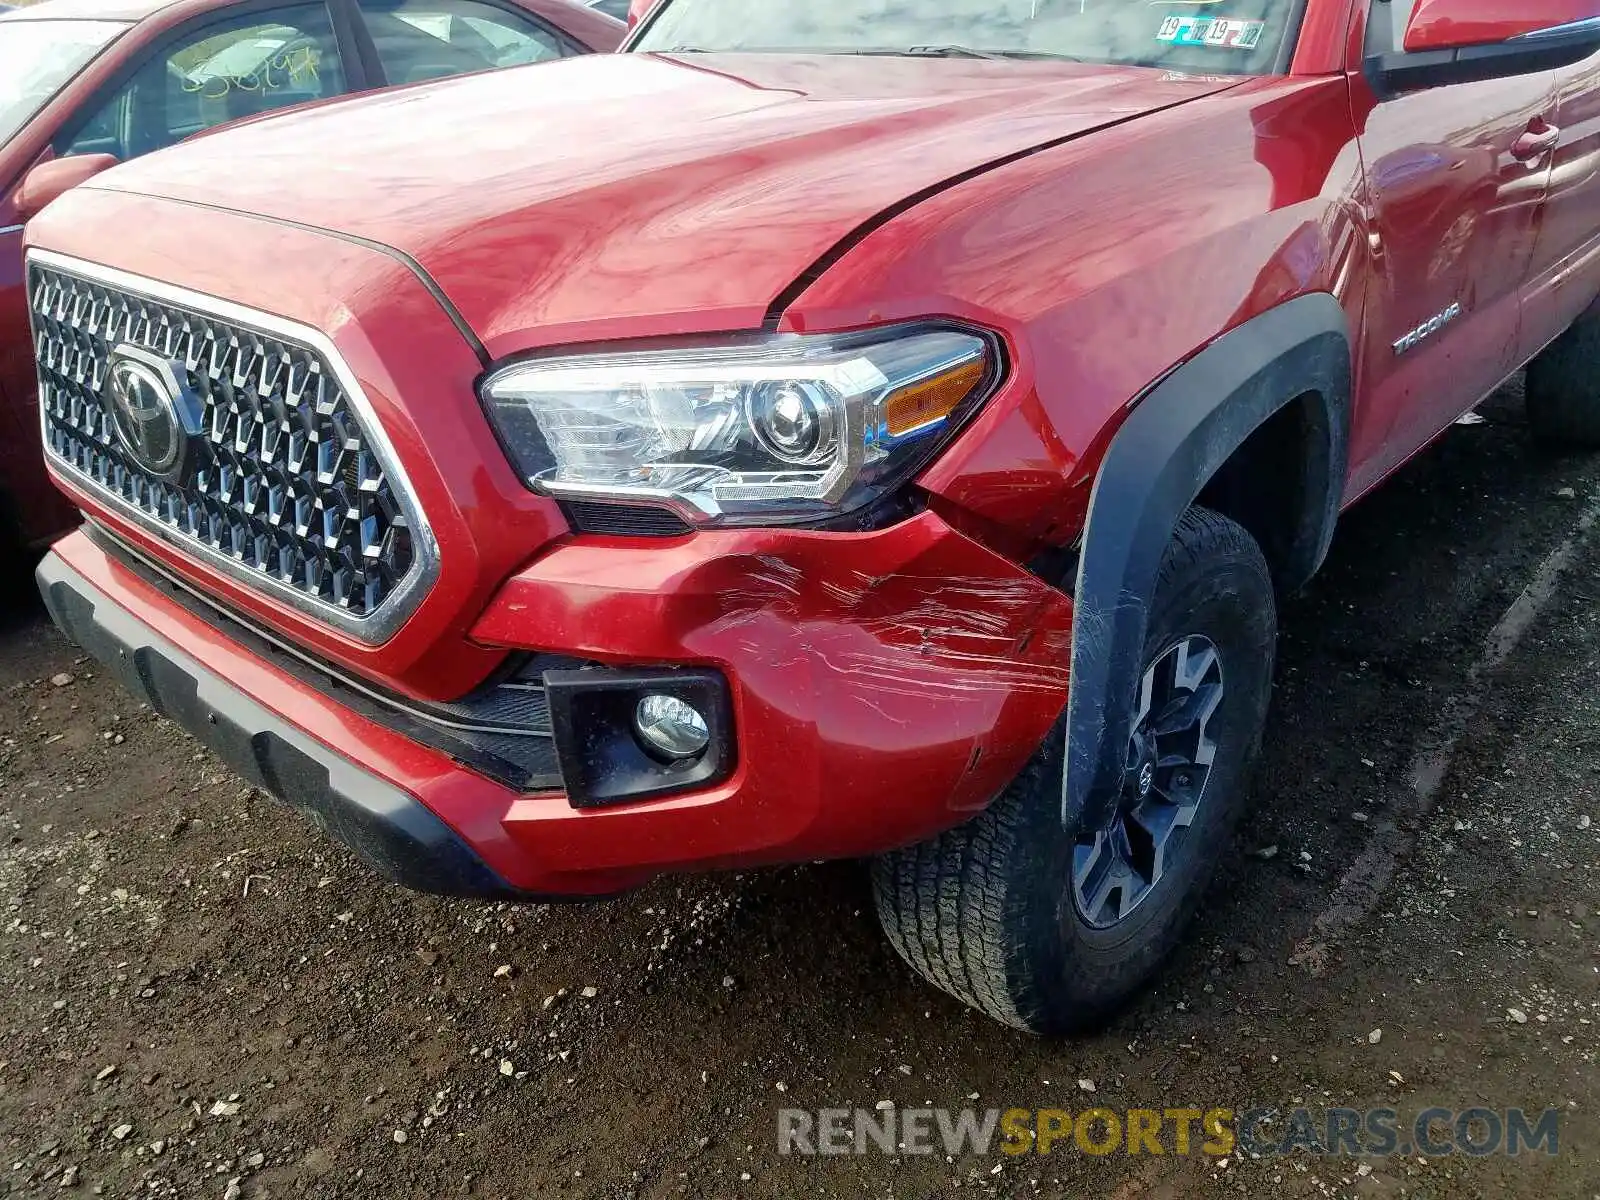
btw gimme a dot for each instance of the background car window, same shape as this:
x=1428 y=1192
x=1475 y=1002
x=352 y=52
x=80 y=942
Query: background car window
x=431 y=39
x=612 y=8
x=218 y=73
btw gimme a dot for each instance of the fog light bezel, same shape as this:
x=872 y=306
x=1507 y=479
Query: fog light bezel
x=601 y=754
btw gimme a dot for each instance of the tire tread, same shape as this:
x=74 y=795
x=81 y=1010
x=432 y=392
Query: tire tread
x=947 y=905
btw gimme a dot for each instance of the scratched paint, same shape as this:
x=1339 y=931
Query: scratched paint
x=911 y=654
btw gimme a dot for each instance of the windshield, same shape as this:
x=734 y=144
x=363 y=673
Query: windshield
x=1218 y=37
x=38 y=58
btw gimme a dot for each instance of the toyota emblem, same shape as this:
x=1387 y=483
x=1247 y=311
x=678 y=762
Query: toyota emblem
x=142 y=394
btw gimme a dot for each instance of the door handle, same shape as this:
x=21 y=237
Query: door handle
x=1539 y=139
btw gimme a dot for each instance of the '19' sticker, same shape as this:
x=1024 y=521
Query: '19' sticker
x=1220 y=32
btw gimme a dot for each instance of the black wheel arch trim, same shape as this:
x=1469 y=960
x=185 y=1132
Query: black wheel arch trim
x=1178 y=435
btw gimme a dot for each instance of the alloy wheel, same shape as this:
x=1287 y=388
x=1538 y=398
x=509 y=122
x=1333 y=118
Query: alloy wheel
x=1116 y=868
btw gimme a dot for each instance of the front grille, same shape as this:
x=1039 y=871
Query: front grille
x=287 y=482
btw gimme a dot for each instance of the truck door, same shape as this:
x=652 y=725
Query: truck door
x=1453 y=202
x=1566 y=264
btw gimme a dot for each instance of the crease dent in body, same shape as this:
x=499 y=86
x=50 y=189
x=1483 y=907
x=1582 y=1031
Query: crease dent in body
x=907 y=633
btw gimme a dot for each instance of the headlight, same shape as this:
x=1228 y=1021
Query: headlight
x=789 y=428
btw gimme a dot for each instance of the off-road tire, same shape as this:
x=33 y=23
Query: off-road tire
x=986 y=911
x=1564 y=387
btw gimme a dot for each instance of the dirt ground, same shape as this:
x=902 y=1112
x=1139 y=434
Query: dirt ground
x=201 y=997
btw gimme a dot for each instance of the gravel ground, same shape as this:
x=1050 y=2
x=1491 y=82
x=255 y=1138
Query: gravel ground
x=202 y=997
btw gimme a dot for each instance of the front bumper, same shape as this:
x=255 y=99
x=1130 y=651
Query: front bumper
x=391 y=831
x=884 y=686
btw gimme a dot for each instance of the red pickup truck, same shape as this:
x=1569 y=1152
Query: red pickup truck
x=823 y=431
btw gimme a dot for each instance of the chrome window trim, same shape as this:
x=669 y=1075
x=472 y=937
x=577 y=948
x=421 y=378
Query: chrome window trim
x=371 y=629
x=10 y=229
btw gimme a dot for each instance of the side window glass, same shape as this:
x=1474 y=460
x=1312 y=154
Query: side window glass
x=419 y=40
x=1386 y=25
x=214 y=74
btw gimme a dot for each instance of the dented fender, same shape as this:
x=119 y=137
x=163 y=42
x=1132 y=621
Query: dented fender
x=886 y=685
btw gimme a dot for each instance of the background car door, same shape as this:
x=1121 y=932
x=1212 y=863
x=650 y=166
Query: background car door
x=208 y=74
x=1454 y=207
x=416 y=40
x=1566 y=266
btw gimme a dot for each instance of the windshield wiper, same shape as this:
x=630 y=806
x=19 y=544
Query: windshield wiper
x=873 y=51
x=952 y=52
x=974 y=52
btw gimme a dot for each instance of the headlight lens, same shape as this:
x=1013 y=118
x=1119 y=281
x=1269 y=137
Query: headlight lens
x=790 y=428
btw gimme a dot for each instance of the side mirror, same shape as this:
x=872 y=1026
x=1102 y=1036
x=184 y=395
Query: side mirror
x=49 y=180
x=1467 y=41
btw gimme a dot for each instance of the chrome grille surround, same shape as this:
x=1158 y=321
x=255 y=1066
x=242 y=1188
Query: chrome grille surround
x=297 y=491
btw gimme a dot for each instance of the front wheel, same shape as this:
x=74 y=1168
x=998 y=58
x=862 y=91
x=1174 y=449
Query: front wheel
x=1051 y=930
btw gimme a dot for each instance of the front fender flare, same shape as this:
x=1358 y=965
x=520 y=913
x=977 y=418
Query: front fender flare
x=1172 y=443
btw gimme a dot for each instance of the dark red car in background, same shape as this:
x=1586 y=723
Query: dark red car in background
x=126 y=77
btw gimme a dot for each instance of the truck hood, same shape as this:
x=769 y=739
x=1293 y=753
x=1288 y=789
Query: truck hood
x=560 y=202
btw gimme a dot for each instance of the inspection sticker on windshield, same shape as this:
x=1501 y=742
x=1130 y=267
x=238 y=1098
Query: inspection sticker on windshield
x=1224 y=32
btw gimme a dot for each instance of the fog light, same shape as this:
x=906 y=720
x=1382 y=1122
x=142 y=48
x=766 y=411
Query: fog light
x=671 y=726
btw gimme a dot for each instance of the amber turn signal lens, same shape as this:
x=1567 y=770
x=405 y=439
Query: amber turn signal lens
x=930 y=400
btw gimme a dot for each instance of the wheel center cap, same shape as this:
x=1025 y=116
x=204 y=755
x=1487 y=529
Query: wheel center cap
x=1147 y=778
